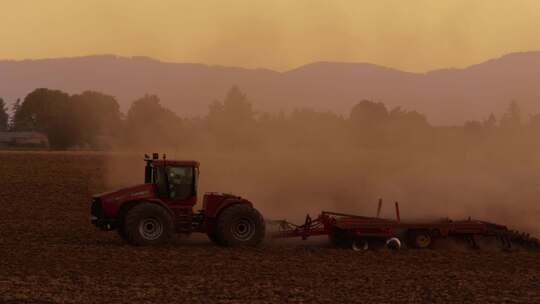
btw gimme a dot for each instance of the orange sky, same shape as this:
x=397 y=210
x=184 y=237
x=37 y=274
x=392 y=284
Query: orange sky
x=409 y=35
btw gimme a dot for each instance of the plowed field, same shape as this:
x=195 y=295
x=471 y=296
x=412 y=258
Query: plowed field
x=49 y=253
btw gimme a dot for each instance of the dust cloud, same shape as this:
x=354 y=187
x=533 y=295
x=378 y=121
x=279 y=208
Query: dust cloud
x=286 y=182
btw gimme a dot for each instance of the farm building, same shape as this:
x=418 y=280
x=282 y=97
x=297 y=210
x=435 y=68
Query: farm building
x=24 y=139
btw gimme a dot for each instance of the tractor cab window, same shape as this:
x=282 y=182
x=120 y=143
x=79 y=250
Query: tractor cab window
x=181 y=182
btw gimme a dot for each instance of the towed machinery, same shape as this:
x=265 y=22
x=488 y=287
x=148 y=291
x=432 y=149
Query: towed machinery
x=150 y=213
x=362 y=232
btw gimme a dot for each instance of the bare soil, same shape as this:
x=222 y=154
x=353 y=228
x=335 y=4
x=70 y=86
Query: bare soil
x=49 y=253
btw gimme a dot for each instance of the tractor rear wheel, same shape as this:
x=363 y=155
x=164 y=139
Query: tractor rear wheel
x=239 y=225
x=147 y=224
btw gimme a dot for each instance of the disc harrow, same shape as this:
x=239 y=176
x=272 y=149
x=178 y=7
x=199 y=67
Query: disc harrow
x=363 y=232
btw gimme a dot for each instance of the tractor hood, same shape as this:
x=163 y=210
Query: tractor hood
x=213 y=202
x=127 y=194
x=222 y=196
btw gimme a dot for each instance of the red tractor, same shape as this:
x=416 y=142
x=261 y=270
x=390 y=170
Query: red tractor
x=149 y=213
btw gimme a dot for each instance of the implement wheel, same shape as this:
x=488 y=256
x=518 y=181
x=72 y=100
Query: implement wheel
x=360 y=245
x=420 y=239
x=341 y=238
x=147 y=224
x=239 y=225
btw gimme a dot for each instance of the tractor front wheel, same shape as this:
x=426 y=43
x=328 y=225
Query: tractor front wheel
x=239 y=225
x=147 y=224
x=214 y=238
x=121 y=232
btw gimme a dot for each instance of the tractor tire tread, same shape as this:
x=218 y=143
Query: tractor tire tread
x=139 y=212
x=222 y=233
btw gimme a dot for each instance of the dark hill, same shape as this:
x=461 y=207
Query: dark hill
x=449 y=96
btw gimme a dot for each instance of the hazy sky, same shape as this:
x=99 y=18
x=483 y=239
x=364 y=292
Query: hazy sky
x=409 y=35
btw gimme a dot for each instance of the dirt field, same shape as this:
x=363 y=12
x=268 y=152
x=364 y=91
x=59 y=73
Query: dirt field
x=49 y=253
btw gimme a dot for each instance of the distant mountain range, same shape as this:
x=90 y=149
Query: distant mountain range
x=448 y=96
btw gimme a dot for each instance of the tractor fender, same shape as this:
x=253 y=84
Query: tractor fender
x=227 y=203
x=124 y=209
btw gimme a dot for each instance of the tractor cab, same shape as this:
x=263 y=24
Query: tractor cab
x=175 y=181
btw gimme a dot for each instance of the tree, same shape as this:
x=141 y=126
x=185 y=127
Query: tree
x=98 y=117
x=511 y=119
x=14 y=109
x=50 y=112
x=4 y=117
x=233 y=121
x=148 y=123
x=412 y=120
x=368 y=121
x=234 y=110
x=407 y=128
x=491 y=122
x=368 y=114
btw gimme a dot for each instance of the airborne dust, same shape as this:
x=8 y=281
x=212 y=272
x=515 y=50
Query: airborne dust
x=438 y=174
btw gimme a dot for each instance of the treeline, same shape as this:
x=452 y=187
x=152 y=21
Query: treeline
x=78 y=120
x=93 y=120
